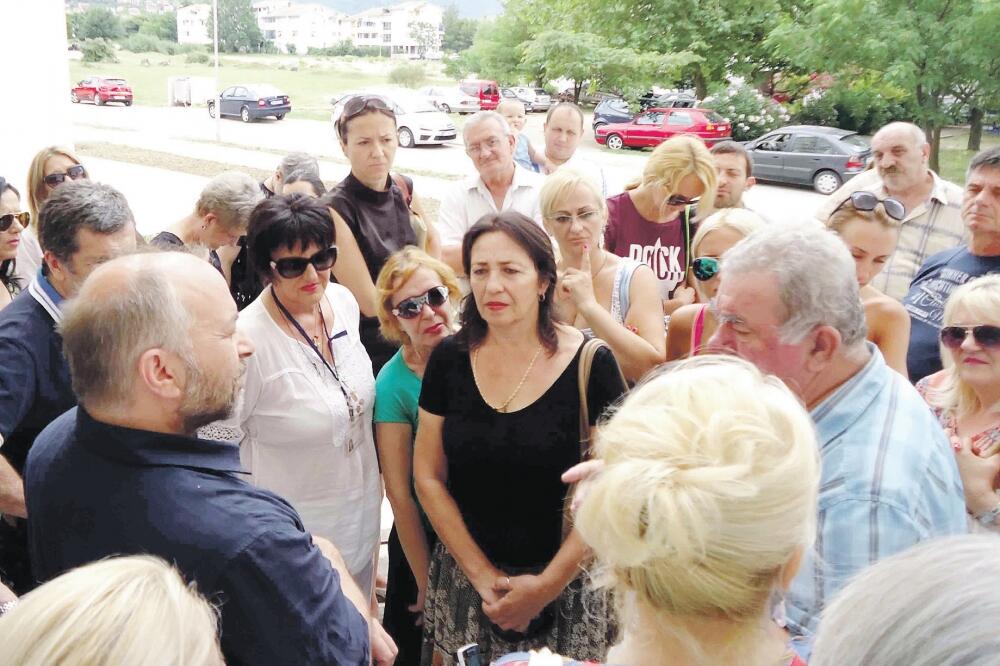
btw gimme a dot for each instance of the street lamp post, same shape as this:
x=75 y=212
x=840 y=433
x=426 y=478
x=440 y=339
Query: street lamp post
x=218 y=89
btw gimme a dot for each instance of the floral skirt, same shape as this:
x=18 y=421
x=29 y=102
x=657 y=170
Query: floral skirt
x=584 y=626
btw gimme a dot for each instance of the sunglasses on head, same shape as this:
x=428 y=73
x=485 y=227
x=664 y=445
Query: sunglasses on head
x=75 y=172
x=705 y=268
x=866 y=202
x=7 y=220
x=293 y=267
x=358 y=104
x=411 y=307
x=985 y=335
x=681 y=200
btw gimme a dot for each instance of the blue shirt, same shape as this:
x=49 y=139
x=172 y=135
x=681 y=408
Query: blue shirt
x=521 y=153
x=94 y=490
x=889 y=481
x=938 y=277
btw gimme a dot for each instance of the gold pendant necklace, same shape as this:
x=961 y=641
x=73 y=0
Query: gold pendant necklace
x=503 y=408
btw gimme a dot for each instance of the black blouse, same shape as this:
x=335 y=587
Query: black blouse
x=504 y=469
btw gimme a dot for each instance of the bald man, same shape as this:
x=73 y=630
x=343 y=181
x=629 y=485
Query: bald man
x=933 y=221
x=124 y=473
x=563 y=131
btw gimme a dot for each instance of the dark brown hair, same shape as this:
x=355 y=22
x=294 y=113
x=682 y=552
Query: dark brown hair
x=286 y=221
x=733 y=148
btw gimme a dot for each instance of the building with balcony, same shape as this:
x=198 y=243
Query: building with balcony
x=192 y=24
x=296 y=27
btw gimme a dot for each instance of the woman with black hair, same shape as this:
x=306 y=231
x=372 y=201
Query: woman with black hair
x=500 y=419
x=306 y=412
x=12 y=222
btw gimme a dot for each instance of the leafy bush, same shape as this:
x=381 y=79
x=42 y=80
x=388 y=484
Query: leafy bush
x=750 y=112
x=816 y=108
x=347 y=48
x=197 y=57
x=408 y=74
x=861 y=105
x=143 y=43
x=98 y=50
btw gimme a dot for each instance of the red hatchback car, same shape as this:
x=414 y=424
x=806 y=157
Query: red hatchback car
x=102 y=89
x=654 y=126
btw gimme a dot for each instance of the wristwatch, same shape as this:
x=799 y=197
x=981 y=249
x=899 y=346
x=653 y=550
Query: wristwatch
x=988 y=518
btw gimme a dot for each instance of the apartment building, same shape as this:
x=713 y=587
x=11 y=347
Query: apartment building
x=192 y=24
x=297 y=27
x=393 y=28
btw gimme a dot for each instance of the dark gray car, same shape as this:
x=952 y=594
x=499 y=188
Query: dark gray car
x=823 y=157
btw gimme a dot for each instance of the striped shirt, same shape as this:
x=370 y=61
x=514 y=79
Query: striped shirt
x=927 y=229
x=889 y=481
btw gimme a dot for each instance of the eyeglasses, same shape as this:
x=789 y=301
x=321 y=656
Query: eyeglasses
x=7 y=220
x=586 y=217
x=866 y=202
x=292 y=267
x=985 y=335
x=681 y=200
x=489 y=145
x=75 y=172
x=411 y=307
x=357 y=105
x=705 y=268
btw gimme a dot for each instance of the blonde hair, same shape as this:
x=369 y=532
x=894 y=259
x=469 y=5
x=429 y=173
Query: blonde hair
x=848 y=213
x=399 y=268
x=741 y=220
x=708 y=490
x=125 y=610
x=980 y=298
x=37 y=190
x=675 y=159
x=562 y=181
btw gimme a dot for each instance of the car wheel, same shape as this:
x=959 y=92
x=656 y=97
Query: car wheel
x=444 y=108
x=279 y=116
x=211 y=109
x=615 y=142
x=598 y=124
x=73 y=98
x=405 y=138
x=98 y=100
x=826 y=182
x=245 y=114
x=128 y=103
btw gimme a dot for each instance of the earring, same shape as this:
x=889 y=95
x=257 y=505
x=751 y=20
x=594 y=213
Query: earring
x=541 y=297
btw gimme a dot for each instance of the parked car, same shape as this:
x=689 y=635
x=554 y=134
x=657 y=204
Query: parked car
x=512 y=94
x=654 y=126
x=611 y=111
x=824 y=157
x=417 y=121
x=667 y=101
x=450 y=99
x=587 y=99
x=487 y=92
x=101 y=90
x=252 y=101
x=540 y=100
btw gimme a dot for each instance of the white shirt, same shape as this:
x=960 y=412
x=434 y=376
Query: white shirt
x=297 y=435
x=470 y=199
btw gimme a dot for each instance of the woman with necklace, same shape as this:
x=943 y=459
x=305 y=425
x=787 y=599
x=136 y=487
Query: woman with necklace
x=415 y=297
x=306 y=409
x=612 y=297
x=500 y=420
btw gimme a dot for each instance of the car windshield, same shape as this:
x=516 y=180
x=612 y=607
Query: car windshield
x=856 y=141
x=115 y=82
x=267 y=91
x=714 y=117
x=539 y=91
x=416 y=105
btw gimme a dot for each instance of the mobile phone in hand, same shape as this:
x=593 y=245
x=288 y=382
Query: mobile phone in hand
x=468 y=655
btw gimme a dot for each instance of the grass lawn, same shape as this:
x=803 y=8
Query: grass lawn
x=954 y=157
x=310 y=87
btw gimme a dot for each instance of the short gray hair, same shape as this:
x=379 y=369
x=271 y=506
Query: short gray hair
x=298 y=163
x=984 y=159
x=935 y=604
x=815 y=274
x=104 y=334
x=231 y=196
x=480 y=117
x=80 y=204
x=917 y=134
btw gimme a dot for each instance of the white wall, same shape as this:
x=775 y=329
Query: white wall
x=36 y=70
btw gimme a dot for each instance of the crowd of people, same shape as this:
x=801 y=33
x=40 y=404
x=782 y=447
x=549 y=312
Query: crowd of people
x=634 y=428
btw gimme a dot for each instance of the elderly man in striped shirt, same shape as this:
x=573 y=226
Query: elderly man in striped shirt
x=889 y=477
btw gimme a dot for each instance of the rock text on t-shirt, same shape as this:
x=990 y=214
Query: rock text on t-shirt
x=665 y=260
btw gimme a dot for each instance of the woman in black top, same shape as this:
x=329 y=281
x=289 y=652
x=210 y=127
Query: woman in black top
x=12 y=222
x=498 y=424
x=372 y=211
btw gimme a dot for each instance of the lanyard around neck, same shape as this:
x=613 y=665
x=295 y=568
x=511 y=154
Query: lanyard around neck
x=305 y=336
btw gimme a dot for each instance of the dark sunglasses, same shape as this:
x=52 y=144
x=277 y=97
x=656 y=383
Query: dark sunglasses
x=985 y=335
x=411 y=307
x=75 y=172
x=866 y=202
x=681 y=200
x=705 y=268
x=7 y=220
x=292 y=267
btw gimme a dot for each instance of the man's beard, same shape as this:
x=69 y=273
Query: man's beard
x=207 y=400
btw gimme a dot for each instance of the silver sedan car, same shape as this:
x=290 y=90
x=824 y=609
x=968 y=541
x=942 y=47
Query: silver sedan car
x=823 y=157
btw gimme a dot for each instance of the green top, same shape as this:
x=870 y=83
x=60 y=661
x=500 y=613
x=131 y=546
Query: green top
x=397 y=393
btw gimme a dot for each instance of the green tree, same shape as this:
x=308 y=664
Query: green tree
x=238 y=31
x=161 y=26
x=425 y=35
x=409 y=74
x=97 y=23
x=98 y=50
x=458 y=32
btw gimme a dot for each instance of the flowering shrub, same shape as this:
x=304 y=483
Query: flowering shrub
x=750 y=112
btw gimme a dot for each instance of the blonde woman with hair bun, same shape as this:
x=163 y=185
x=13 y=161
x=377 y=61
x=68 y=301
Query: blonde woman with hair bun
x=117 y=612
x=701 y=513
x=692 y=325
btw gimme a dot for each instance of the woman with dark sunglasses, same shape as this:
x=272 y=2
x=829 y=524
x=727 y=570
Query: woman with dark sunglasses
x=51 y=167
x=374 y=211
x=12 y=223
x=305 y=417
x=416 y=298
x=653 y=219
x=965 y=396
x=869 y=226
x=693 y=325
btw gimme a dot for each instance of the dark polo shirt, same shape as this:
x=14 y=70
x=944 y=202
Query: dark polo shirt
x=95 y=490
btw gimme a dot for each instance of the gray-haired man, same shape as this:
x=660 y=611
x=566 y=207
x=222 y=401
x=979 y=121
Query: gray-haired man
x=82 y=225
